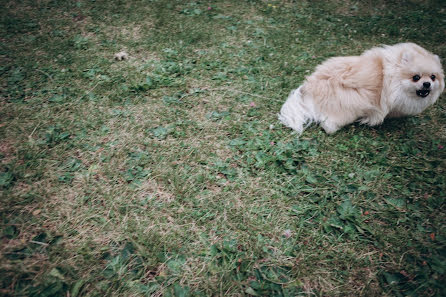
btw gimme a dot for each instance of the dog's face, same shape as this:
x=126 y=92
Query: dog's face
x=424 y=84
x=421 y=75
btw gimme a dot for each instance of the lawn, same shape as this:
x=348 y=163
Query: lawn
x=168 y=173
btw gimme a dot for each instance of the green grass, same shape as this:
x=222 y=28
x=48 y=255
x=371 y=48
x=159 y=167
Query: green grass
x=168 y=174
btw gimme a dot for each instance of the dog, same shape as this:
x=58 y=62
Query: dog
x=388 y=81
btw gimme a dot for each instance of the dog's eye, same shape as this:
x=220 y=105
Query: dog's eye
x=416 y=77
x=433 y=77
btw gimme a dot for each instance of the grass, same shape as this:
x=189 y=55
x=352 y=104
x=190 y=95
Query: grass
x=168 y=174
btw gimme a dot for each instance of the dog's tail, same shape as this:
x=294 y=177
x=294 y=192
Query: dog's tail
x=297 y=113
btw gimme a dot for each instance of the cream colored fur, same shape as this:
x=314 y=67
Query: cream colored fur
x=366 y=88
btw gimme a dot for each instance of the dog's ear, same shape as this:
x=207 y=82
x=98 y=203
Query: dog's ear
x=438 y=59
x=406 y=56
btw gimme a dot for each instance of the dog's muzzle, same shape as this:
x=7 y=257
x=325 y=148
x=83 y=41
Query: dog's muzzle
x=423 y=92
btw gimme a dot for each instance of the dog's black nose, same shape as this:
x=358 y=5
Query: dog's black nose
x=426 y=85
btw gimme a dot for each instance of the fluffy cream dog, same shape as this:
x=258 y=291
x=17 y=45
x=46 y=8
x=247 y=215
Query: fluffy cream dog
x=389 y=81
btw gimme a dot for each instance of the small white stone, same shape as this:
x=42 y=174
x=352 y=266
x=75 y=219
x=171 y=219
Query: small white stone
x=121 y=56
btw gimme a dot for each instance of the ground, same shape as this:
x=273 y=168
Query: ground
x=168 y=173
